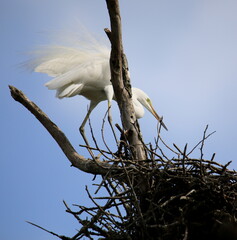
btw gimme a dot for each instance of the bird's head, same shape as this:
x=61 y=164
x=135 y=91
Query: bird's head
x=141 y=98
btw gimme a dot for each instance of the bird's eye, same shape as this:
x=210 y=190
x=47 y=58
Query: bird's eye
x=148 y=100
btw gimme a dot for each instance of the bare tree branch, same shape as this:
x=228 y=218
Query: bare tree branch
x=54 y=234
x=77 y=160
x=121 y=82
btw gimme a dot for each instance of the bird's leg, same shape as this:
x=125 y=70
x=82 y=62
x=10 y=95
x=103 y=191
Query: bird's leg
x=82 y=131
x=82 y=127
x=109 y=92
x=110 y=121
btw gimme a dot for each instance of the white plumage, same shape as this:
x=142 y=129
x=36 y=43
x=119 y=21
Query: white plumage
x=84 y=70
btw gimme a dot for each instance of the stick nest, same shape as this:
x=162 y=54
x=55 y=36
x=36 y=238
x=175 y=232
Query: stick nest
x=182 y=198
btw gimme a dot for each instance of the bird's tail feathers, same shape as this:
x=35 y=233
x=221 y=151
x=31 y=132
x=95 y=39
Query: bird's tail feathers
x=64 y=79
x=69 y=90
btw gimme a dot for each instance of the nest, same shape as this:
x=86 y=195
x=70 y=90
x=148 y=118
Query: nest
x=188 y=199
x=182 y=198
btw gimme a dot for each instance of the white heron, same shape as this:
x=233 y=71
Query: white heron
x=84 y=70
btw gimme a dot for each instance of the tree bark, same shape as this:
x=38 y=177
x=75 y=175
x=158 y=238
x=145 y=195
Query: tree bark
x=119 y=79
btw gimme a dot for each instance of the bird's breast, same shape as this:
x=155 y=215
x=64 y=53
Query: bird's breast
x=93 y=93
x=138 y=108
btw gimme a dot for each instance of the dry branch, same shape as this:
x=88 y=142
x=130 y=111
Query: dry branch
x=185 y=199
x=121 y=82
x=77 y=160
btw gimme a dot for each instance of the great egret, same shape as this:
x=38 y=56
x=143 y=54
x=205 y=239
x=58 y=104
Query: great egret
x=84 y=70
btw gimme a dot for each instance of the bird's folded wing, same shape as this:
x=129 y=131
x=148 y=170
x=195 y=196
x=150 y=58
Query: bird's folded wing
x=69 y=90
x=92 y=73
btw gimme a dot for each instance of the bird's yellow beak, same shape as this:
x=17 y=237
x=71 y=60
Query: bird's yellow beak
x=154 y=113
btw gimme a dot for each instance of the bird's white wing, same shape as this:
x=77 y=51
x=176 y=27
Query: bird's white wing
x=90 y=72
x=74 y=67
x=69 y=90
x=94 y=73
x=80 y=68
x=57 y=60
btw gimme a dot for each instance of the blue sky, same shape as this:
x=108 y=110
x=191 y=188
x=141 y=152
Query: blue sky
x=182 y=53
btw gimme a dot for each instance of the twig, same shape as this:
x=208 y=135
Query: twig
x=95 y=148
x=52 y=233
x=202 y=141
x=133 y=194
x=184 y=156
x=102 y=133
x=95 y=142
x=71 y=212
x=102 y=209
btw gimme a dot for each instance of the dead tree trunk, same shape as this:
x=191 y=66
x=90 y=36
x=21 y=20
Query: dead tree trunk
x=120 y=81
